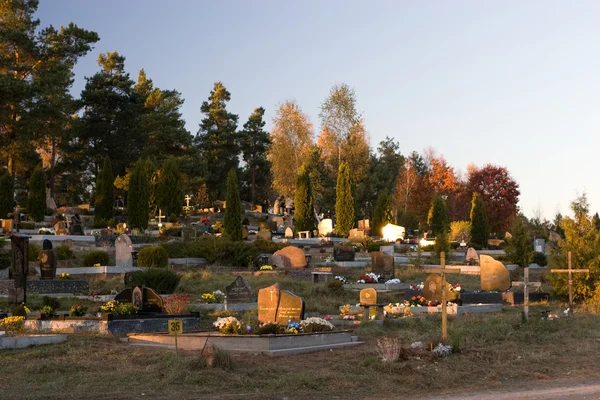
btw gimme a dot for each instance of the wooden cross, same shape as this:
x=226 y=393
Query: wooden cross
x=570 y=271
x=526 y=285
x=443 y=271
x=160 y=217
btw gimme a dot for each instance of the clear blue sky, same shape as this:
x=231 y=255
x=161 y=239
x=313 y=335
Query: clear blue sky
x=514 y=83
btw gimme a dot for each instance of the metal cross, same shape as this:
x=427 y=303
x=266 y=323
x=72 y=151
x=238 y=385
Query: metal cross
x=526 y=285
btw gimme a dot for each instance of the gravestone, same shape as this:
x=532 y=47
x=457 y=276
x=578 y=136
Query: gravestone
x=276 y=209
x=382 y=264
x=123 y=249
x=432 y=289
x=368 y=296
x=281 y=261
x=60 y=228
x=239 y=291
x=356 y=235
x=267 y=226
x=392 y=233
x=344 y=253
x=289 y=233
x=387 y=250
x=19 y=268
x=264 y=235
x=295 y=255
x=539 y=245
x=146 y=299
x=48 y=259
x=7 y=226
x=188 y=234
x=76 y=227
x=268 y=300
x=494 y=275
x=290 y=308
x=364 y=224
x=278 y=221
x=325 y=227
x=472 y=258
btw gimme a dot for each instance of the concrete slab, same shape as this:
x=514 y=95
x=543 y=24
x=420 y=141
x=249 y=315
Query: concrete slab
x=21 y=342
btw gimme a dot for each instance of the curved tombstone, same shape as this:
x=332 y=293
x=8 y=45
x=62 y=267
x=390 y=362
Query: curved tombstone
x=432 y=289
x=472 y=258
x=296 y=256
x=494 y=275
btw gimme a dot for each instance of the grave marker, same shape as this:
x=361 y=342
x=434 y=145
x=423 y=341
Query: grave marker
x=289 y=233
x=526 y=285
x=268 y=300
x=472 y=258
x=570 y=281
x=290 y=308
x=19 y=268
x=493 y=275
x=344 y=253
x=48 y=259
x=325 y=227
x=239 y=291
x=382 y=264
x=368 y=296
x=123 y=249
x=443 y=271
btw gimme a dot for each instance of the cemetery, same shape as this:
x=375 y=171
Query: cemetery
x=247 y=251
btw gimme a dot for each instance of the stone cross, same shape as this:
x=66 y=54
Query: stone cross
x=187 y=200
x=570 y=271
x=443 y=271
x=526 y=285
x=160 y=217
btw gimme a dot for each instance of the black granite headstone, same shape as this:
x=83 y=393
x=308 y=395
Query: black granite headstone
x=239 y=291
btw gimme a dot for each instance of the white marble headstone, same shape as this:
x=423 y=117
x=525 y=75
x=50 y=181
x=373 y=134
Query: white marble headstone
x=325 y=227
x=123 y=249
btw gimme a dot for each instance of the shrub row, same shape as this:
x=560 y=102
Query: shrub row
x=216 y=251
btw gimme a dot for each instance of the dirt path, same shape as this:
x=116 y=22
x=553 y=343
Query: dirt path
x=578 y=390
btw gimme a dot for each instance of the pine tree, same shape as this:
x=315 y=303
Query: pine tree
x=304 y=216
x=170 y=191
x=383 y=213
x=519 y=249
x=138 y=197
x=480 y=228
x=233 y=209
x=103 y=206
x=7 y=202
x=596 y=221
x=255 y=144
x=344 y=201
x=36 y=202
x=217 y=140
x=442 y=243
x=438 y=219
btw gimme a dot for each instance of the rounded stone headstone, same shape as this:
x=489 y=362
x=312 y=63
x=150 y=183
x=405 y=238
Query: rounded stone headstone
x=289 y=233
x=432 y=289
x=295 y=255
x=493 y=275
x=368 y=296
x=46 y=245
x=472 y=258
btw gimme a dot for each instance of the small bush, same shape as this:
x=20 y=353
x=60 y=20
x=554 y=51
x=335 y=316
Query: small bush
x=173 y=218
x=47 y=311
x=153 y=256
x=51 y=302
x=27 y=225
x=429 y=247
x=217 y=251
x=20 y=311
x=164 y=281
x=4 y=260
x=335 y=286
x=96 y=257
x=268 y=329
x=64 y=252
x=540 y=259
x=77 y=311
x=34 y=251
x=171 y=232
x=266 y=246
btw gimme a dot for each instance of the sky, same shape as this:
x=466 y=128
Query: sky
x=512 y=83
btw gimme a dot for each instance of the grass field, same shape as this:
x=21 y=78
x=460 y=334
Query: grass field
x=496 y=352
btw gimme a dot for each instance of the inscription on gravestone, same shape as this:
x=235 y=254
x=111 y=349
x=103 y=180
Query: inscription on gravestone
x=268 y=299
x=382 y=264
x=344 y=253
x=432 y=289
x=239 y=291
x=368 y=296
x=47 y=258
x=291 y=308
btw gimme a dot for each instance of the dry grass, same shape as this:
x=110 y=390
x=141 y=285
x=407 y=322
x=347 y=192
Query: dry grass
x=496 y=352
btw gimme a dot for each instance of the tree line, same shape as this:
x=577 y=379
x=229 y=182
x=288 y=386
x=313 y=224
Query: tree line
x=140 y=129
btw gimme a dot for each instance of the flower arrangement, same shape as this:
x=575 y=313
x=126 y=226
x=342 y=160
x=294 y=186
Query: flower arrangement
x=266 y=268
x=341 y=279
x=12 y=325
x=368 y=278
x=45 y=231
x=455 y=288
x=97 y=265
x=205 y=221
x=442 y=350
x=316 y=324
x=208 y=298
x=77 y=311
x=177 y=303
x=418 y=301
x=393 y=281
x=327 y=317
x=293 y=328
x=419 y=286
x=64 y=276
x=349 y=317
x=116 y=308
x=346 y=311
x=219 y=296
x=329 y=259
x=228 y=325
x=47 y=311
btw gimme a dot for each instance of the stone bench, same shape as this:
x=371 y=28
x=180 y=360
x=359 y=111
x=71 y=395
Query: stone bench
x=367 y=307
